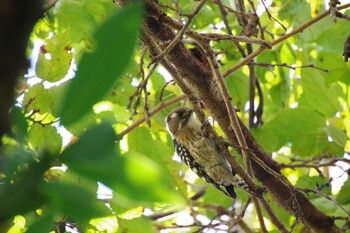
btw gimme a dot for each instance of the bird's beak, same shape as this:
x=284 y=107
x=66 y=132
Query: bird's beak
x=189 y=112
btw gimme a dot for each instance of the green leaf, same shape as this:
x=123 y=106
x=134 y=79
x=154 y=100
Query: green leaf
x=333 y=37
x=299 y=126
x=317 y=96
x=324 y=205
x=18 y=121
x=312 y=182
x=93 y=155
x=42 y=224
x=54 y=58
x=82 y=17
x=57 y=93
x=238 y=84
x=337 y=135
x=146 y=144
x=141 y=179
x=99 y=70
x=76 y=202
x=296 y=11
x=137 y=225
x=213 y=195
x=21 y=191
x=37 y=98
x=45 y=138
x=338 y=69
x=343 y=195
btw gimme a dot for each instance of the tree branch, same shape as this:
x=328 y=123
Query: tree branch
x=201 y=81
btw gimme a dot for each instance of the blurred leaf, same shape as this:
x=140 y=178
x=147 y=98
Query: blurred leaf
x=137 y=225
x=99 y=70
x=146 y=145
x=21 y=194
x=213 y=195
x=74 y=178
x=42 y=224
x=93 y=155
x=57 y=93
x=86 y=122
x=18 y=121
x=133 y=213
x=106 y=224
x=139 y=178
x=76 y=202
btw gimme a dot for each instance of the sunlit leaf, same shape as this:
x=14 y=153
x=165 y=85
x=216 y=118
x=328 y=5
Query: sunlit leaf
x=54 y=58
x=136 y=225
x=37 y=99
x=45 y=138
x=99 y=70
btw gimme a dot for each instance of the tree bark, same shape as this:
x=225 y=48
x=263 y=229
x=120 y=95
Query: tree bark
x=17 y=19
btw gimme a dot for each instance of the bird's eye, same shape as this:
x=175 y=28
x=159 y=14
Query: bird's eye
x=174 y=115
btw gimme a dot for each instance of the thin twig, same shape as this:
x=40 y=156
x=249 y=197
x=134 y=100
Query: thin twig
x=290 y=67
x=271 y=17
x=146 y=108
x=180 y=34
x=274 y=219
x=218 y=37
x=315 y=162
x=307 y=190
x=227 y=25
x=224 y=14
x=239 y=216
x=279 y=40
x=163 y=89
x=160 y=107
x=255 y=14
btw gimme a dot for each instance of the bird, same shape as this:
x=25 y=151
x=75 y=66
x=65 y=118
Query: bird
x=200 y=153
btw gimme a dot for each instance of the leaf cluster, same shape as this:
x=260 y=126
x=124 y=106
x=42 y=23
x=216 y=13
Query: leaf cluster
x=77 y=128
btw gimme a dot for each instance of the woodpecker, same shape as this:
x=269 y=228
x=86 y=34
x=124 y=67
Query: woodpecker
x=200 y=153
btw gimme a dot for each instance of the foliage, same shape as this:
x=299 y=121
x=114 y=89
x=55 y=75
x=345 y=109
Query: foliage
x=50 y=180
